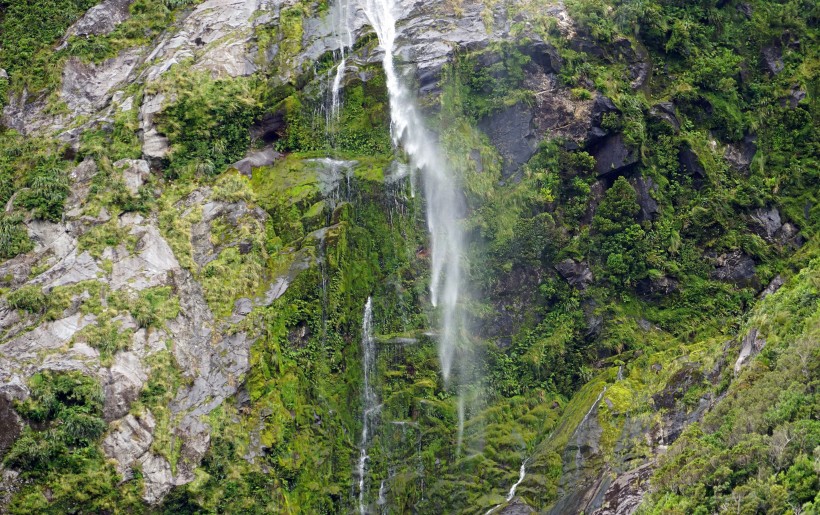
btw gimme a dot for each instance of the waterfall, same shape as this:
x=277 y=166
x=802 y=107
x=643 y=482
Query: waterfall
x=522 y=473
x=370 y=404
x=344 y=39
x=440 y=189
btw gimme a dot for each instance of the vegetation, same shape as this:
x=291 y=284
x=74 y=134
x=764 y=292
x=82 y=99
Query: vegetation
x=606 y=297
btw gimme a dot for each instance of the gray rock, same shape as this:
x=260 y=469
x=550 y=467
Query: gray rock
x=516 y=507
x=740 y=155
x=11 y=425
x=101 y=19
x=128 y=441
x=253 y=160
x=795 y=96
x=664 y=113
x=601 y=106
x=657 y=286
x=645 y=187
x=4 y=74
x=512 y=132
x=544 y=55
x=613 y=157
x=766 y=222
x=745 y=9
x=773 y=286
x=772 y=57
x=626 y=493
x=122 y=384
x=155 y=147
x=735 y=267
x=134 y=172
x=81 y=178
x=87 y=88
x=578 y=275
x=750 y=346
x=149 y=267
x=690 y=164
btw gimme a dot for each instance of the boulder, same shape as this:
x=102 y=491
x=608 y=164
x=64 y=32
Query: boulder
x=122 y=384
x=134 y=172
x=544 y=55
x=645 y=187
x=773 y=286
x=253 y=160
x=601 y=105
x=129 y=441
x=750 y=346
x=613 y=157
x=512 y=132
x=690 y=164
x=4 y=75
x=101 y=19
x=11 y=425
x=766 y=222
x=740 y=155
x=577 y=274
x=735 y=267
x=772 y=57
x=657 y=286
x=795 y=96
x=663 y=113
x=637 y=61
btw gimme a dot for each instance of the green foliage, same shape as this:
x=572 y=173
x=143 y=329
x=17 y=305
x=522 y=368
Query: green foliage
x=150 y=307
x=58 y=453
x=28 y=298
x=208 y=122
x=107 y=337
x=14 y=238
x=27 y=31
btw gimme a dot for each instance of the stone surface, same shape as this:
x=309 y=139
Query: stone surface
x=253 y=160
x=735 y=267
x=122 y=384
x=750 y=346
x=740 y=155
x=512 y=132
x=129 y=441
x=86 y=88
x=664 y=112
x=10 y=424
x=101 y=19
x=645 y=187
x=613 y=157
x=690 y=164
x=577 y=274
x=772 y=57
x=134 y=172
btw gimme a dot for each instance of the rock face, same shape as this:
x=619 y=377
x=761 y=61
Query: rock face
x=513 y=133
x=613 y=157
x=10 y=424
x=750 y=346
x=735 y=267
x=101 y=19
x=740 y=155
x=578 y=275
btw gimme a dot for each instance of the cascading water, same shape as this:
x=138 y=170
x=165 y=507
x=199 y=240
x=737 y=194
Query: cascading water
x=370 y=404
x=441 y=192
x=344 y=38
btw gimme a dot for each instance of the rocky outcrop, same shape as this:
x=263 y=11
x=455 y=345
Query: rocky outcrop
x=740 y=155
x=735 y=267
x=645 y=187
x=512 y=132
x=750 y=346
x=613 y=157
x=577 y=274
x=101 y=19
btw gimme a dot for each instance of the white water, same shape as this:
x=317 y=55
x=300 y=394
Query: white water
x=441 y=192
x=369 y=402
x=344 y=39
x=522 y=473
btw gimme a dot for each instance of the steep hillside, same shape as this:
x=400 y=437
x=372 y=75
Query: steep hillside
x=383 y=256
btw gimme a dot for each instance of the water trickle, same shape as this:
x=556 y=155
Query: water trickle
x=460 y=439
x=344 y=38
x=522 y=473
x=370 y=406
x=442 y=195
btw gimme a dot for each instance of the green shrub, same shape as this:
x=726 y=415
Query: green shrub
x=14 y=238
x=28 y=298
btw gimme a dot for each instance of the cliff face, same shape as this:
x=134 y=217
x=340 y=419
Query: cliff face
x=201 y=196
